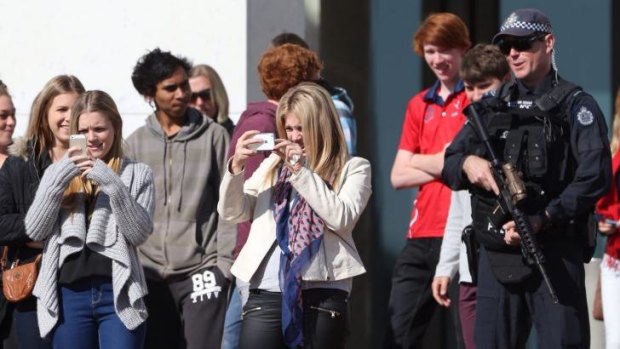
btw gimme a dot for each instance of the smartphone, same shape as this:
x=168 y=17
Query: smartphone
x=78 y=141
x=268 y=143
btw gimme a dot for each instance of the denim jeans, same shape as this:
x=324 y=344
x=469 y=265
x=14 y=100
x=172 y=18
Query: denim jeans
x=232 y=322
x=88 y=319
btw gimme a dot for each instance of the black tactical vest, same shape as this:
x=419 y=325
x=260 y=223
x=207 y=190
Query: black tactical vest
x=533 y=135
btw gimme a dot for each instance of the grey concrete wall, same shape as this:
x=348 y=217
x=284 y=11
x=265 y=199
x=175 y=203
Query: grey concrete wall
x=266 y=19
x=394 y=79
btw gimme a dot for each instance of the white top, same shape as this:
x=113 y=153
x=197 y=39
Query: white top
x=453 y=255
x=338 y=258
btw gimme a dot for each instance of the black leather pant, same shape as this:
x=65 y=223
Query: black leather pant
x=325 y=319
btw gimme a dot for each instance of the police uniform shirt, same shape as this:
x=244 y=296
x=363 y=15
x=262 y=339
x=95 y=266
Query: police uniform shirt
x=589 y=148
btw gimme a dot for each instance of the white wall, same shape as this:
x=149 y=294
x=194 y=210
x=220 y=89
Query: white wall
x=100 y=42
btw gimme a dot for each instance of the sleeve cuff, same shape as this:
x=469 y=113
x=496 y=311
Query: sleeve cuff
x=229 y=168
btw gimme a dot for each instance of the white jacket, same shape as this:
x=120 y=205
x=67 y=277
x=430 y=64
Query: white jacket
x=337 y=258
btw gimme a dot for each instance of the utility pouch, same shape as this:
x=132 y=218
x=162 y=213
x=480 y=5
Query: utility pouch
x=498 y=216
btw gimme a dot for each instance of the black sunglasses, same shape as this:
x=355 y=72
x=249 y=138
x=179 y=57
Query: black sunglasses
x=519 y=44
x=205 y=95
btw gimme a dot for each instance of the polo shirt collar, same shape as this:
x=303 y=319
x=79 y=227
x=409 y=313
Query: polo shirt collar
x=432 y=95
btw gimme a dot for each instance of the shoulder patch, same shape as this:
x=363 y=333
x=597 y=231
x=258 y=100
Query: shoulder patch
x=585 y=116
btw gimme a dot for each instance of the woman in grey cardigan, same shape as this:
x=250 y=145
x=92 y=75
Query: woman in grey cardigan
x=92 y=209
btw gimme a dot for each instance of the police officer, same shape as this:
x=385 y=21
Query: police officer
x=555 y=135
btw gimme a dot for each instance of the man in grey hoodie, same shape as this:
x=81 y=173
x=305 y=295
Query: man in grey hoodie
x=188 y=257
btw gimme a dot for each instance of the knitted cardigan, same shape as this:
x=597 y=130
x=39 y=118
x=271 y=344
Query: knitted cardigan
x=121 y=220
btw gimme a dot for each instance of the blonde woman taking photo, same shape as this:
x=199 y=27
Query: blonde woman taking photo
x=93 y=207
x=304 y=201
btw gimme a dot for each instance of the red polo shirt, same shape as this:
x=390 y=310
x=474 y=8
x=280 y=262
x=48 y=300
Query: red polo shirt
x=430 y=124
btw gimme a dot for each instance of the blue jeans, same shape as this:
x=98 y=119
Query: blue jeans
x=88 y=319
x=232 y=322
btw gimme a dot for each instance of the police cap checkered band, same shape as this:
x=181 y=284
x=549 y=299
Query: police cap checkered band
x=524 y=22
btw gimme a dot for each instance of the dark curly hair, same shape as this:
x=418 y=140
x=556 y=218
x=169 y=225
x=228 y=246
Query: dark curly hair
x=155 y=66
x=283 y=67
x=289 y=38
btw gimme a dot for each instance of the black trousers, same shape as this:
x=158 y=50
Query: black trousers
x=187 y=313
x=412 y=305
x=325 y=319
x=506 y=312
x=26 y=327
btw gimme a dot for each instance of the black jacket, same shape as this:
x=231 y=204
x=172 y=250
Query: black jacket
x=19 y=180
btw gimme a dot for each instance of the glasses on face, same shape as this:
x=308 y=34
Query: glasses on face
x=519 y=44
x=205 y=95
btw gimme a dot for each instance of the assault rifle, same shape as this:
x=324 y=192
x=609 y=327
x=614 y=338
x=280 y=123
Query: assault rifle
x=511 y=193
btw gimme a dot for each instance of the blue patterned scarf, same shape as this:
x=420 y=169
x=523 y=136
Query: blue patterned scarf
x=299 y=234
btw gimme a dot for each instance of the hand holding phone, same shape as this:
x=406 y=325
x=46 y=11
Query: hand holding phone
x=267 y=144
x=83 y=163
x=78 y=140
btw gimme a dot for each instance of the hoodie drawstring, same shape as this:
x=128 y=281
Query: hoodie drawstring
x=183 y=174
x=165 y=172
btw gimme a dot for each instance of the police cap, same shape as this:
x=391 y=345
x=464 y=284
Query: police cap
x=524 y=22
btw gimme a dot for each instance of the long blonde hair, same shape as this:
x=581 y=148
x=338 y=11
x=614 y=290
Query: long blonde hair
x=89 y=102
x=615 y=137
x=218 y=91
x=325 y=147
x=38 y=126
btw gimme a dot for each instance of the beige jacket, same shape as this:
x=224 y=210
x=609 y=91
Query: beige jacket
x=337 y=258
